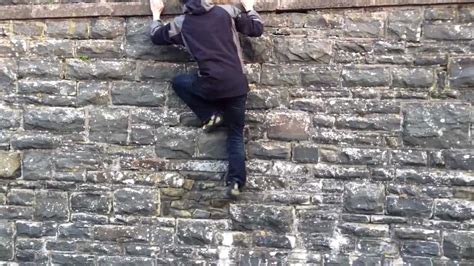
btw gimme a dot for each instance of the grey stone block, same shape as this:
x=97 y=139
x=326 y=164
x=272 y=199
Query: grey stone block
x=91 y=202
x=420 y=248
x=107 y=28
x=412 y=207
x=51 y=205
x=109 y=125
x=436 y=125
x=302 y=50
x=175 y=142
x=37 y=165
x=6 y=243
x=54 y=119
x=136 y=201
x=98 y=69
x=200 y=232
x=461 y=72
x=365 y=77
x=288 y=125
x=458 y=245
x=458 y=210
x=305 y=153
x=261 y=217
x=364 y=198
x=92 y=93
x=68 y=29
x=139 y=94
x=98 y=49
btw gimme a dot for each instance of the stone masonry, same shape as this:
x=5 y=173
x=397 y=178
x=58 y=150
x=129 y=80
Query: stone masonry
x=359 y=143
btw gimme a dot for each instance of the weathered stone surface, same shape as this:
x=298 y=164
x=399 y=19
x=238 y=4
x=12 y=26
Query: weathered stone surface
x=255 y=217
x=212 y=145
x=405 y=24
x=97 y=69
x=458 y=245
x=461 y=72
x=316 y=221
x=449 y=32
x=460 y=210
x=92 y=93
x=37 y=165
x=52 y=48
x=435 y=125
x=413 y=78
x=200 y=232
x=364 y=198
x=417 y=207
x=302 y=50
x=6 y=237
x=280 y=75
x=62 y=87
x=9 y=164
x=421 y=248
x=267 y=98
x=28 y=28
x=109 y=125
x=363 y=25
x=98 y=49
x=288 y=125
x=79 y=259
x=175 y=142
x=159 y=71
x=305 y=153
x=39 y=68
x=68 y=29
x=365 y=77
x=9 y=118
x=107 y=28
x=90 y=202
x=461 y=159
x=8 y=74
x=377 y=246
x=354 y=156
x=409 y=157
x=51 y=205
x=317 y=76
x=140 y=94
x=54 y=119
x=136 y=201
x=269 y=150
x=24 y=197
x=274 y=240
x=389 y=122
x=132 y=261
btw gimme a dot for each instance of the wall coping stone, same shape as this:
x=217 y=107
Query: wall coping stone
x=173 y=7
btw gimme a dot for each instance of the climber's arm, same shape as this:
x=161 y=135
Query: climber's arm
x=249 y=23
x=164 y=34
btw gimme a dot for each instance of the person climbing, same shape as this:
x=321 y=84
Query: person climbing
x=217 y=93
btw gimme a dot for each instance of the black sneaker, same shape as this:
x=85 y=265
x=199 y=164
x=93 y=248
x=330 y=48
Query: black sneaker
x=232 y=190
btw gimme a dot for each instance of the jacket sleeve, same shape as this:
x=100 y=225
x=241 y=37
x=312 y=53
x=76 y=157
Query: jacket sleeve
x=249 y=23
x=167 y=34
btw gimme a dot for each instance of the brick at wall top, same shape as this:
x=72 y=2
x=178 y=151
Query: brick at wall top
x=29 y=9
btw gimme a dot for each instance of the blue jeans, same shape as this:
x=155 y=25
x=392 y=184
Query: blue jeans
x=233 y=110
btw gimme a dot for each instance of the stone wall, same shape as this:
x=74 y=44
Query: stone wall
x=359 y=144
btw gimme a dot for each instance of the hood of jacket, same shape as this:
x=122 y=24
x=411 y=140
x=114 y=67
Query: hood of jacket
x=197 y=7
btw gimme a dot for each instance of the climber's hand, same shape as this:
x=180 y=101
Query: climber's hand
x=248 y=4
x=156 y=8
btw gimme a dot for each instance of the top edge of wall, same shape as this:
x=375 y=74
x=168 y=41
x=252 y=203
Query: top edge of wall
x=172 y=7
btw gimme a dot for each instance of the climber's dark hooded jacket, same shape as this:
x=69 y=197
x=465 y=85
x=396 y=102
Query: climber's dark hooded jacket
x=209 y=32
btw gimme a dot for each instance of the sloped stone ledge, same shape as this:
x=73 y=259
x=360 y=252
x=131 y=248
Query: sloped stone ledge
x=173 y=7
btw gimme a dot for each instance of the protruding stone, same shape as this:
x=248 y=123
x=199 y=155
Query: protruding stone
x=288 y=125
x=253 y=217
x=364 y=198
x=9 y=164
x=136 y=201
x=51 y=205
